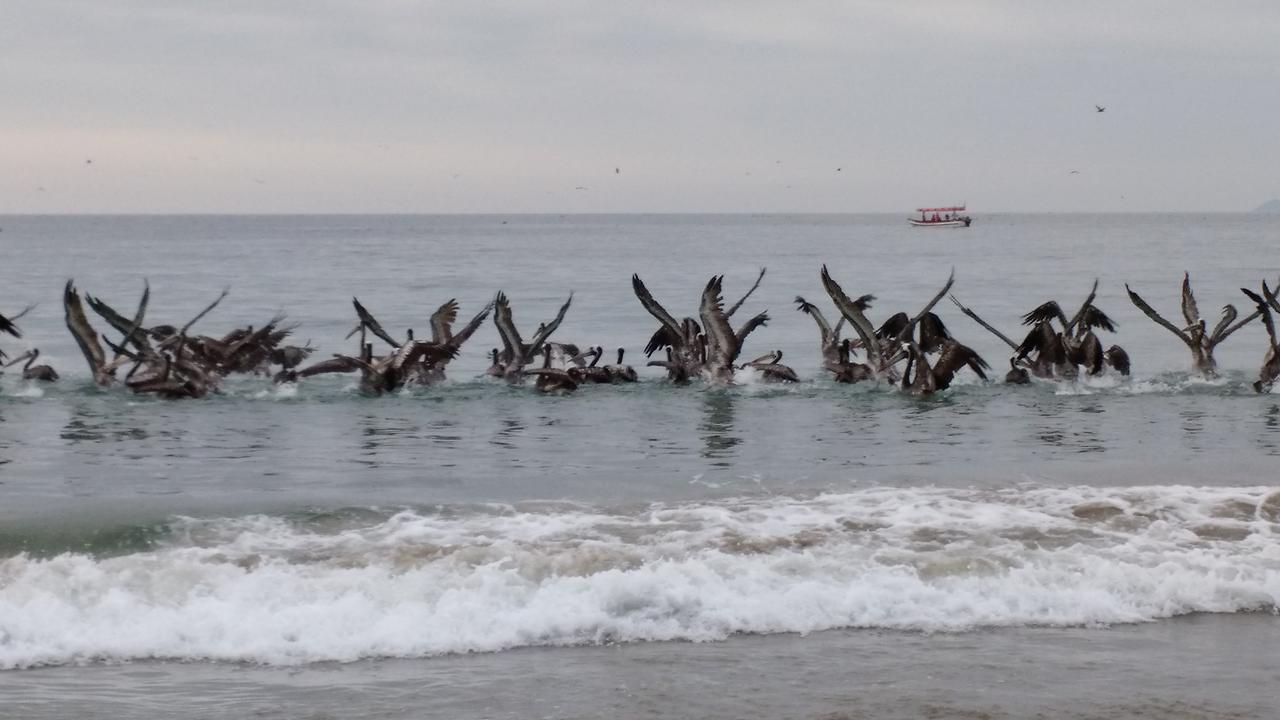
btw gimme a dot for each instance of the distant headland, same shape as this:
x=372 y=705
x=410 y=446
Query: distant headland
x=1270 y=206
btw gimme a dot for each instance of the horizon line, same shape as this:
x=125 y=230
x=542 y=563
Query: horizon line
x=545 y=213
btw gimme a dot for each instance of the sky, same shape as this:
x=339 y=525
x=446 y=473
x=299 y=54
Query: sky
x=315 y=106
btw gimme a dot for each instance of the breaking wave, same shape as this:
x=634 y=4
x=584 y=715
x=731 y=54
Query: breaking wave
x=359 y=583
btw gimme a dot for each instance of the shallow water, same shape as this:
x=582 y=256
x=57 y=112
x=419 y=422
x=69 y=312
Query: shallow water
x=296 y=526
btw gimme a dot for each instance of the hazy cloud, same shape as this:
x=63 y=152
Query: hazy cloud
x=329 y=106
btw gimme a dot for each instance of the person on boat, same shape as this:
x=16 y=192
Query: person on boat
x=935 y=217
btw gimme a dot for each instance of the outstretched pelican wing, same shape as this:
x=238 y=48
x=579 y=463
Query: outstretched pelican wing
x=81 y=330
x=660 y=313
x=367 y=319
x=469 y=329
x=1190 y=311
x=442 y=321
x=853 y=312
x=1151 y=313
x=974 y=316
x=545 y=331
x=734 y=308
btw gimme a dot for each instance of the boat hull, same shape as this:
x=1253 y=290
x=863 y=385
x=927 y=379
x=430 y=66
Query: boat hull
x=962 y=223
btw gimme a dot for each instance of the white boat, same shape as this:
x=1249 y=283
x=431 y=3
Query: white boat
x=941 y=217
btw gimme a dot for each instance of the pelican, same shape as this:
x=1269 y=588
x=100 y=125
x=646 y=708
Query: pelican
x=829 y=337
x=442 y=334
x=43 y=373
x=552 y=381
x=102 y=370
x=8 y=324
x=882 y=354
x=686 y=339
x=620 y=372
x=928 y=379
x=771 y=368
x=516 y=354
x=1270 y=369
x=1017 y=375
x=1194 y=334
x=590 y=372
x=677 y=372
x=847 y=371
x=722 y=343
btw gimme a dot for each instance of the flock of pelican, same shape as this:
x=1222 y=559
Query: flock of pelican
x=914 y=352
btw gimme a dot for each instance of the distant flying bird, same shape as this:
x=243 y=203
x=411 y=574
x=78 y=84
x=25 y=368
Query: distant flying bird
x=1074 y=172
x=617 y=171
x=580 y=187
x=839 y=169
x=1100 y=108
x=88 y=162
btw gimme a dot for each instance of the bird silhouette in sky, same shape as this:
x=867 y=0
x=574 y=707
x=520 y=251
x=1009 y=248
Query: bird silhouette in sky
x=1100 y=108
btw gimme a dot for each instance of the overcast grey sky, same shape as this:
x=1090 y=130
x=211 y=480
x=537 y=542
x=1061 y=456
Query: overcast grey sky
x=857 y=106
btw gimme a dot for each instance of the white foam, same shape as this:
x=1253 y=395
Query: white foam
x=26 y=390
x=268 y=589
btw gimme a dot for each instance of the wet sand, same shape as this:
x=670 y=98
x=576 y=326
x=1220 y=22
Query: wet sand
x=1200 y=666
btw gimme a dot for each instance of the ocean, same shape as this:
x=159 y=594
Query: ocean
x=1108 y=547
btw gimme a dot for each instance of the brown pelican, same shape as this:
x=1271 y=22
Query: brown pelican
x=1270 y=369
x=411 y=359
x=685 y=339
x=442 y=334
x=847 y=371
x=620 y=372
x=1052 y=353
x=517 y=354
x=1086 y=348
x=677 y=372
x=8 y=324
x=102 y=370
x=552 y=381
x=590 y=372
x=39 y=372
x=496 y=368
x=165 y=383
x=771 y=368
x=291 y=356
x=723 y=344
x=1017 y=375
x=335 y=364
x=1194 y=334
x=829 y=337
x=881 y=354
x=952 y=357
x=681 y=339
x=928 y=379
x=1118 y=359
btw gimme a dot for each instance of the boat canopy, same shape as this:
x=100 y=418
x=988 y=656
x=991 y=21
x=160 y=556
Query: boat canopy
x=959 y=208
